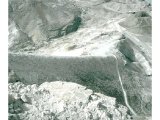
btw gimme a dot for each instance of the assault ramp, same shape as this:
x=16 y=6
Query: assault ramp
x=39 y=68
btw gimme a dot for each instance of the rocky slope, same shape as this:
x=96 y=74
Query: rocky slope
x=101 y=45
x=64 y=101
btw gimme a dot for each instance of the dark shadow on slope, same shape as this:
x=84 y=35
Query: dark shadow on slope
x=72 y=27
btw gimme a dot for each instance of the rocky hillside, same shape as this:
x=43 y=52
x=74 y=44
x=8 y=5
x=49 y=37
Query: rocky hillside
x=64 y=101
x=99 y=52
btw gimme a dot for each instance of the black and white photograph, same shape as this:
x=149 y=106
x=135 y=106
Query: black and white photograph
x=79 y=60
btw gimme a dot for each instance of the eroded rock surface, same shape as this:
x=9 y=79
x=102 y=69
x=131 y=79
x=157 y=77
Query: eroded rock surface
x=62 y=100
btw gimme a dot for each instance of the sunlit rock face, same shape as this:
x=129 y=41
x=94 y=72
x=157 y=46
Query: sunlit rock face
x=85 y=43
x=64 y=100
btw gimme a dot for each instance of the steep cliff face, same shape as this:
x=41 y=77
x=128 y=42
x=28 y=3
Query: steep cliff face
x=104 y=45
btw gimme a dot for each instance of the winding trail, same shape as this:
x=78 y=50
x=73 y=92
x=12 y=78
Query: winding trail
x=124 y=92
x=28 y=65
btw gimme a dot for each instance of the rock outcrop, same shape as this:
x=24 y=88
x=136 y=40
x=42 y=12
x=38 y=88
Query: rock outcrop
x=62 y=100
